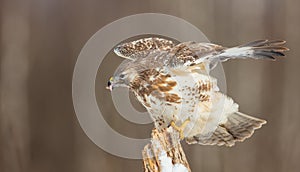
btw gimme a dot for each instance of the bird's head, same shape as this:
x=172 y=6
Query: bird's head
x=116 y=81
x=121 y=78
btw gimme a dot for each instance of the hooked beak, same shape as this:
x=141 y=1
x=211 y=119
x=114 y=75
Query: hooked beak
x=109 y=88
x=109 y=84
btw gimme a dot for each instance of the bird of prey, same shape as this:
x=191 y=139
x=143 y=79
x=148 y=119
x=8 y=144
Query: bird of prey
x=172 y=81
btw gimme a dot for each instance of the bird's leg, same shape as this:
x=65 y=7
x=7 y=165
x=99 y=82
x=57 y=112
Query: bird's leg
x=180 y=129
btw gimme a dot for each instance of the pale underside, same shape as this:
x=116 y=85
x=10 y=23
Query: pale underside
x=199 y=101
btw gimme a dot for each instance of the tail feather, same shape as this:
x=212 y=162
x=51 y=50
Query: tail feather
x=238 y=127
x=242 y=126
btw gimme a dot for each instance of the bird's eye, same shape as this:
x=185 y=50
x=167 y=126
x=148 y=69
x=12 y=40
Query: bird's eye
x=122 y=76
x=108 y=83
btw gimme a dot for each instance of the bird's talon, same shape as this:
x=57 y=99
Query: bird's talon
x=181 y=128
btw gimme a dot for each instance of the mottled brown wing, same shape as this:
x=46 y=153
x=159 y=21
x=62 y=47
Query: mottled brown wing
x=163 y=52
x=142 y=47
x=186 y=53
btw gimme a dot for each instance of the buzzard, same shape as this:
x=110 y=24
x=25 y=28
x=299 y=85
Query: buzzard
x=172 y=81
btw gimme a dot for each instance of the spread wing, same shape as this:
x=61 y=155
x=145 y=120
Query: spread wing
x=158 y=52
x=155 y=52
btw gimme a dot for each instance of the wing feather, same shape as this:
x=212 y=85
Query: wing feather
x=160 y=53
x=142 y=47
x=262 y=49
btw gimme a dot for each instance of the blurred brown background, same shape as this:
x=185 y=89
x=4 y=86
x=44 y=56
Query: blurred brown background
x=40 y=42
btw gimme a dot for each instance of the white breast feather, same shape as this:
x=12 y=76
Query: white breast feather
x=204 y=116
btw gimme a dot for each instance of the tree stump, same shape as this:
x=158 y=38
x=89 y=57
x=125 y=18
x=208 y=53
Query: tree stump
x=164 y=153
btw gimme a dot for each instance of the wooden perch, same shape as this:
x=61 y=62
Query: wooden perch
x=164 y=153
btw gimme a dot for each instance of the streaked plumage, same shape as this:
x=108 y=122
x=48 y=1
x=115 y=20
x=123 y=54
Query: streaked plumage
x=172 y=81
